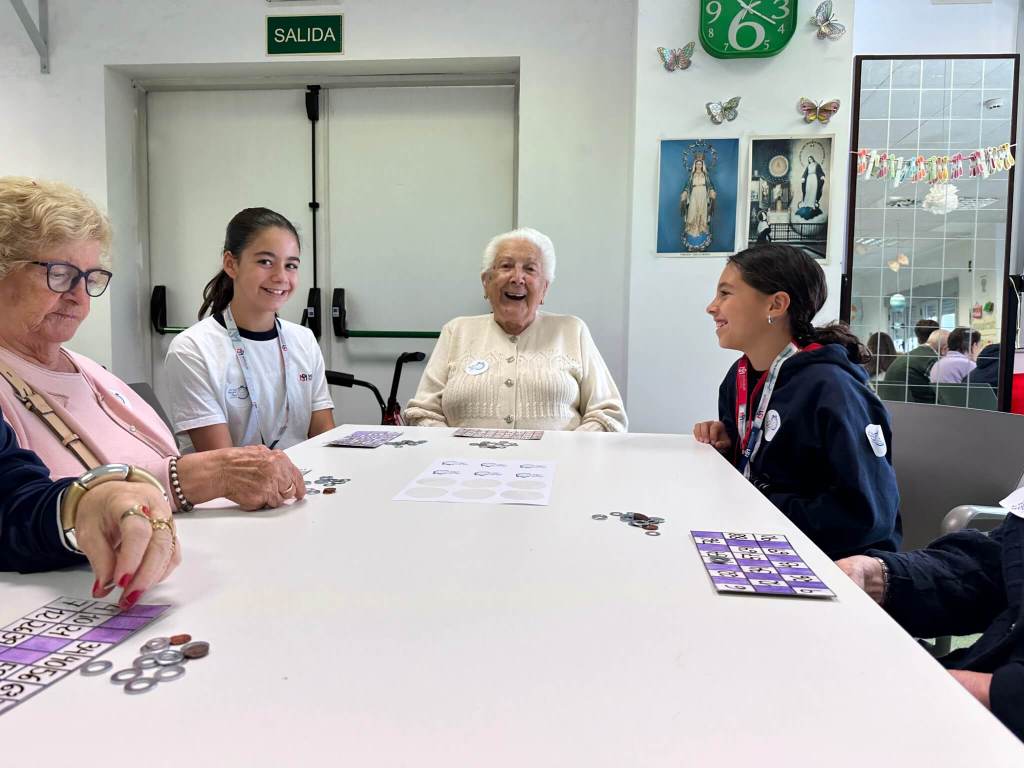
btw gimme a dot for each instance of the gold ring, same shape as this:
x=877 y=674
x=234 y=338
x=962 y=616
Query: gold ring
x=136 y=509
x=289 y=489
x=162 y=524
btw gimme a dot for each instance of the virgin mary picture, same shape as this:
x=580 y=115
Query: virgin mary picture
x=697 y=196
x=812 y=186
x=697 y=207
x=796 y=170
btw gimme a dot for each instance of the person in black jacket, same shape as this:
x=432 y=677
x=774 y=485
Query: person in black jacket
x=121 y=528
x=962 y=583
x=795 y=414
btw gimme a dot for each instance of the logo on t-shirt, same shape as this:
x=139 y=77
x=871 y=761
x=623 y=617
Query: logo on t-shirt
x=241 y=392
x=305 y=377
x=121 y=398
x=876 y=438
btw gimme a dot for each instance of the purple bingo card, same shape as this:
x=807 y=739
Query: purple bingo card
x=364 y=439
x=500 y=434
x=49 y=643
x=757 y=563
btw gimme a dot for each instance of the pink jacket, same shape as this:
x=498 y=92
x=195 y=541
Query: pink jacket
x=116 y=424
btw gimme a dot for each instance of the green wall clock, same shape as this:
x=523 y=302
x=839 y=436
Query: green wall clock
x=739 y=29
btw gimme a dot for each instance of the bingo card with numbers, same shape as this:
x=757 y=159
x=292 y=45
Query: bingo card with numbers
x=758 y=564
x=45 y=645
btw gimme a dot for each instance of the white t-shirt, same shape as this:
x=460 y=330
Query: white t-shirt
x=207 y=385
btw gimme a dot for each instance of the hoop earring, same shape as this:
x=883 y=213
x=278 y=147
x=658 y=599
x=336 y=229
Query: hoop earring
x=769 y=319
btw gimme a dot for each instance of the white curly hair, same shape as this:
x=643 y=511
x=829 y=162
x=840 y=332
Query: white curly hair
x=538 y=239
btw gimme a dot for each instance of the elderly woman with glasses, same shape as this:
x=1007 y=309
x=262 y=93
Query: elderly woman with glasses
x=71 y=411
x=517 y=368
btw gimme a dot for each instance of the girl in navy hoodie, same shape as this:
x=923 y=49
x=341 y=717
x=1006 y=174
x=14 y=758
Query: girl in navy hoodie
x=795 y=414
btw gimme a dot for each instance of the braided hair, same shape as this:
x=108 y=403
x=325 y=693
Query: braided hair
x=776 y=267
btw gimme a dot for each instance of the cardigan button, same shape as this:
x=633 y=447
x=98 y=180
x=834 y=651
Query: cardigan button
x=131 y=428
x=508 y=419
x=508 y=382
x=511 y=359
x=513 y=339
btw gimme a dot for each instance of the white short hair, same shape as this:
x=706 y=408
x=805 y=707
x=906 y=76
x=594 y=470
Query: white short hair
x=539 y=240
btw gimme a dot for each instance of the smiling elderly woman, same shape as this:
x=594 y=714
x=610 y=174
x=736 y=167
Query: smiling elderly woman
x=517 y=368
x=68 y=409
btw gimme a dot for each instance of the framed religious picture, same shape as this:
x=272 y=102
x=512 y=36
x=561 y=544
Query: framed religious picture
x=789 y=182
x=697 y=190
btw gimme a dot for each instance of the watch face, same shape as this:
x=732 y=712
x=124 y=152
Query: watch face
x=735 y=29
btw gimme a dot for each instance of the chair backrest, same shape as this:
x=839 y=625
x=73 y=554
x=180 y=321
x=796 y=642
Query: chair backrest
x=145 y=391
x=945 y=457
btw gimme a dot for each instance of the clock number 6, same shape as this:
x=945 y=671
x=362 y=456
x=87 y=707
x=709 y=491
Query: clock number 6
x=738 y=23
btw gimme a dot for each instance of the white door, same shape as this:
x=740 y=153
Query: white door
x=211 y=154
x=419 y=179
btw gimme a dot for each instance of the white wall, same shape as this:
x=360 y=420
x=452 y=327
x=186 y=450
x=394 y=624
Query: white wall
x=675 y=364
x=918 y=26
x=575 y=122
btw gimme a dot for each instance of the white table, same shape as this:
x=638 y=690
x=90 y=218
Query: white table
x=353 y=630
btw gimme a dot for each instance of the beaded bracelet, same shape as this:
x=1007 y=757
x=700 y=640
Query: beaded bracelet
x=885 y=580
x=184 y=505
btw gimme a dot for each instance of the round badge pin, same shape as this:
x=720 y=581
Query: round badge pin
x=477 y=367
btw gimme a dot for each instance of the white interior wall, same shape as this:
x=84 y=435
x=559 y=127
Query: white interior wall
x=919 y=26
x=675 y=364
x=575 y=123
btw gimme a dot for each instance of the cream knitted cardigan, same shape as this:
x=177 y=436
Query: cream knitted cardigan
x=549 y=377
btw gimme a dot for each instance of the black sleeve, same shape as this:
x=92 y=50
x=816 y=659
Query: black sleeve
x=860 y=507
x=727 y=409
x=1006 y=696
x=954 y=587
x=30 y=536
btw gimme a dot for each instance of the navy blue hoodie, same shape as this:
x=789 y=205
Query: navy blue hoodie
x=826 y=454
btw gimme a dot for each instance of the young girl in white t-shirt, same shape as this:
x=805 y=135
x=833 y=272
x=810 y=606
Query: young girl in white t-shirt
x=243 y=376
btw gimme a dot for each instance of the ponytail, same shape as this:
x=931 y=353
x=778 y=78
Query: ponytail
x=217 y=294
x=839 y=333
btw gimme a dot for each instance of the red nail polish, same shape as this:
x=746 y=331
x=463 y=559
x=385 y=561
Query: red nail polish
x=125 y=580
x=145 y=511
x=96 y=588
x=129 y=601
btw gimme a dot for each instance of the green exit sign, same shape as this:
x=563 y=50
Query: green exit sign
x=297 y=35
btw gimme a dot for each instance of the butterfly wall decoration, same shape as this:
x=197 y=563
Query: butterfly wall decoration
x=820 y=111
x=825 y=20
x=719 y=111
x=677 y=58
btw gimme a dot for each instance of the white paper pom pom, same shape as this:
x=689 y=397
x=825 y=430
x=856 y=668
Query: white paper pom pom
x=941 y=199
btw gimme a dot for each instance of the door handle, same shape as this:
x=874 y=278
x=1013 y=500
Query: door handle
x=338 y=313
x=311 y=313
x=158 y=312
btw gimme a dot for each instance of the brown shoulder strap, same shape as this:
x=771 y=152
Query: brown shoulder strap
x=38 y=405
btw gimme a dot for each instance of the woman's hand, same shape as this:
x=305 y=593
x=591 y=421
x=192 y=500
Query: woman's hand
x=714 y=434
x=252 y=476
x=126 y=531
x=866 y=572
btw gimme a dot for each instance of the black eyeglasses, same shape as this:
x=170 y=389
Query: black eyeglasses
x=62 y=277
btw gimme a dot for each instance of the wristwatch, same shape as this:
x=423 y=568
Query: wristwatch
x=73 y=493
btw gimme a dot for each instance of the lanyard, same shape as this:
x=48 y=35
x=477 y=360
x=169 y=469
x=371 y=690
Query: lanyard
x=750 y=433
x=253 y=384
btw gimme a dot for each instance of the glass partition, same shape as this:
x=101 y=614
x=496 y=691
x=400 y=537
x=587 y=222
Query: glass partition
x=911 y=270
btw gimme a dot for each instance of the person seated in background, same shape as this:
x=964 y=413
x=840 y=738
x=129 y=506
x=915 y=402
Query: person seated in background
x=883 y=355
x=987 y=371
x=958 y=362
x=961 y=584
x=517 y=367
x=939 y=341
x=117 y=517
x=68 y=409
x=906 y=379
x=244 y=376
x=795 y=414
